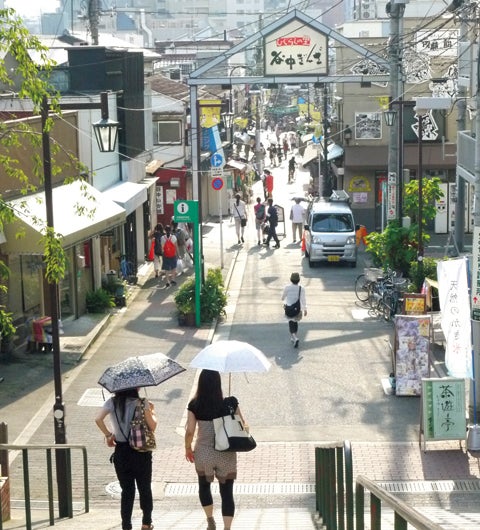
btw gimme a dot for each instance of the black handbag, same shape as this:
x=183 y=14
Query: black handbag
x=294 y=309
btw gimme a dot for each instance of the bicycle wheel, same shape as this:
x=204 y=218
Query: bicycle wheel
x=374 y=295
x=388 y=303
x=361 y=288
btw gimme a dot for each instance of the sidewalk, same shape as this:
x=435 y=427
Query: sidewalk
x=275 y=489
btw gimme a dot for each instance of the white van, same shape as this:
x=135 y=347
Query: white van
x=330 y=231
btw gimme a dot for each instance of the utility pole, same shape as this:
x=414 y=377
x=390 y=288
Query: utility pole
x=395 y=10
x=464 y=70
x=325 y=186
x=93 y=20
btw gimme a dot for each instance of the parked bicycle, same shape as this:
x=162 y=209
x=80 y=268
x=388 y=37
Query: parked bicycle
x=381 y=291
x=364 y=283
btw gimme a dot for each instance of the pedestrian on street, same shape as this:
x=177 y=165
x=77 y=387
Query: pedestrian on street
x=182 y=235
x=132 y=467
x=208 y=404
x=260 y=216
x=291 y=293
x=156 y=236
x=170 y=253
x=239 y=212
x=297 y=216
x=272 y=217
x=268 y=184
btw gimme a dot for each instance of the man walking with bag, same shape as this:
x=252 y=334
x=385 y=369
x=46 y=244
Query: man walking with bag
x=292 y=294
x=272 y=218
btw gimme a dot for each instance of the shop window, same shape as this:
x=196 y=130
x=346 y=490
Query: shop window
x=167 y=132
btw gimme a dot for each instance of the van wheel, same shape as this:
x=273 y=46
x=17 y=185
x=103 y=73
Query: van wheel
x=311 y=263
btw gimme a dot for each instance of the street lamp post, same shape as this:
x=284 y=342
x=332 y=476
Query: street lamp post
x=106 y=132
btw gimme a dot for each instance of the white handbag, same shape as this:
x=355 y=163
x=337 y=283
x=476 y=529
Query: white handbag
x=231 y=435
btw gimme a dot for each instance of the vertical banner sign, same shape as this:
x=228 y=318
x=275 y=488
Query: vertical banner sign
x=443 y=409
x=476 y=274
x=392 y=196
x=455 y=308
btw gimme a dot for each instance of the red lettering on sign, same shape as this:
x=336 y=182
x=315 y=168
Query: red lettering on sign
x=294 y=41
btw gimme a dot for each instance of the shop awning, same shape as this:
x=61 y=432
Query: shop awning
x=237 y=165
x=128 y=195
x=313 y=150
x=101 y=214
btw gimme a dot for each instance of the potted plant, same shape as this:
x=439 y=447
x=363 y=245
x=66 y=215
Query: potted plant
x=213 y=299
x=7 y=330
x=99 y=300
x=185 y=303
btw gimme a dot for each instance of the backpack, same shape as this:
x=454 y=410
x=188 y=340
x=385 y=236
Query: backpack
x=169 y=250
x=260 y=213
x=180 y=235
x=158 y=243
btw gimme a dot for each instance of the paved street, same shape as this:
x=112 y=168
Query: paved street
x=330 y=389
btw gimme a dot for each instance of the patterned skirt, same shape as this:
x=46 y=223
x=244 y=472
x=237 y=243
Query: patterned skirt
x=210 y=463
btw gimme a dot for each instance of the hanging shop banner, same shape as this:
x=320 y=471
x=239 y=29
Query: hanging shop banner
x=412 y=347
x=296 y=49
x=443 y=409
x=455 y=308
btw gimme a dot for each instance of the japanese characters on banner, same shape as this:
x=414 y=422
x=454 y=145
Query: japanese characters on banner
x=443 y=409
x=455 y=308
x=296 y=49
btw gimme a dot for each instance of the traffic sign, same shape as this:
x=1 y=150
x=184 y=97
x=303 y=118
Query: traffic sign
x=217 y=183
x=216 y=160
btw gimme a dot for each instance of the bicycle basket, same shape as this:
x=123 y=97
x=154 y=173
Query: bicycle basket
x=372 y=274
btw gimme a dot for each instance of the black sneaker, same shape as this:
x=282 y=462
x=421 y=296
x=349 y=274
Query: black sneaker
x=296 y=343
x=242 y=240
x=173 y=282
x=167 y=285
x=276 y=246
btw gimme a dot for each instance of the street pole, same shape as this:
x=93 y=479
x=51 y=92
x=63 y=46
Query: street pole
x=476 y=222
x=324 y=183
x=420 y=195
x=106 y=135
x=395 y=146
x=61 y=456
x=464 y=70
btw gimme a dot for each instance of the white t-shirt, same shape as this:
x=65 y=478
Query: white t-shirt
x=298 y=213
x=239 y=209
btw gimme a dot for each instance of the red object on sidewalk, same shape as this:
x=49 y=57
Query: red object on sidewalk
x=303 y=242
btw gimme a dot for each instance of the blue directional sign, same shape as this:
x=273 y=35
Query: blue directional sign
x=216 y=160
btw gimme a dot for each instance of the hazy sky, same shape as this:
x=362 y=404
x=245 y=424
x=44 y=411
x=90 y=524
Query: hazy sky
x=32 y=7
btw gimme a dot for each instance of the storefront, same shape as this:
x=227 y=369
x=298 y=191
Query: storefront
x=90 y=226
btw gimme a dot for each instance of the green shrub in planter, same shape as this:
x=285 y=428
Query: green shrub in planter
x=213 y=297
x=429 y=271
x=98 y=301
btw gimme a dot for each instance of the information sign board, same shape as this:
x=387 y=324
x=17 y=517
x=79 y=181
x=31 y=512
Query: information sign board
x=443 y=409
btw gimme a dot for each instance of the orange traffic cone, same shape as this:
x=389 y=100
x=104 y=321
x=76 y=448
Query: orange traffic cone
x=303 y=242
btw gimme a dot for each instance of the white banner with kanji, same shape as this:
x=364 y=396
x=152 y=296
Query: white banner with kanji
x=455 y=308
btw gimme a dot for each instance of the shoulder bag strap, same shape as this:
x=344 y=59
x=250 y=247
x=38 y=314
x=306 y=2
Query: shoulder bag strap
x=299 y=289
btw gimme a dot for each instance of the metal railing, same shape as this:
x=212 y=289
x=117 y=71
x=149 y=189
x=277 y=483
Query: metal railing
x=334 y=485
x=25 y=449
x=340 y=510
x=403 y=513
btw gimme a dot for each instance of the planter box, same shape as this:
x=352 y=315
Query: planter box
x=186 y=319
